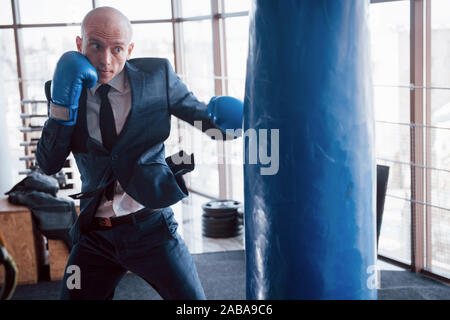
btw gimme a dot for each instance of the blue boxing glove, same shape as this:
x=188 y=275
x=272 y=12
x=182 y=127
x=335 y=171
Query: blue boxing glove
x=73 y=72
x=226 y=113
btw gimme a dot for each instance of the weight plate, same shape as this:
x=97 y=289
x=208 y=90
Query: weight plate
x=219 y=228
x=220 y=214
x=225 y=219
x=222 y=235
x=221 y=206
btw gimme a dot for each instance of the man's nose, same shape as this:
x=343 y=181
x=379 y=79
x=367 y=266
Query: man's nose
x=106 y=57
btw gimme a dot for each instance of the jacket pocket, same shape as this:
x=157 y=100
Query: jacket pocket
x=154 y=185
x=153 y=155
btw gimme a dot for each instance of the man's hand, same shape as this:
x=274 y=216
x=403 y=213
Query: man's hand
x=226 y=113
x=73 y=72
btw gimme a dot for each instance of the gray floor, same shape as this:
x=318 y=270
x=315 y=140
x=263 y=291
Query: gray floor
x=223 y=277
x=405 y=285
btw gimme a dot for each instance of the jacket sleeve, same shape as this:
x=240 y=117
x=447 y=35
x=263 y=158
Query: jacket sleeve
x=185 y=106
x=53 y=147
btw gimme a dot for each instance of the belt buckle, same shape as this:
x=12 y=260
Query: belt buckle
x=104 y=222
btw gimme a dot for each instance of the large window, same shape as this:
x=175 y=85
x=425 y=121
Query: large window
x=5 y=13
x=389 y=26
x=10 y=118
x=137 y=10
x=153 y=40
x=42 y=47
x=199 y=8
x=410 y=58
x=51 y=11
x=438 y=139
x=198 y=74
x=236 y=30
x=237 y=5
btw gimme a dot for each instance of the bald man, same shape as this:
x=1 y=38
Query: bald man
x=113 y=113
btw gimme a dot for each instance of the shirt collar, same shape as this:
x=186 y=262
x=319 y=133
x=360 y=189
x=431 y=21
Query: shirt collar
x=118 y=83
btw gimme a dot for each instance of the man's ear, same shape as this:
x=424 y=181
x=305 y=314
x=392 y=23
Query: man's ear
x=130 y=49
x=79 y=44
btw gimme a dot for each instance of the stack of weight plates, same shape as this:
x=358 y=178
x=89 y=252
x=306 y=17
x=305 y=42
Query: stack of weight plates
x=222 y=218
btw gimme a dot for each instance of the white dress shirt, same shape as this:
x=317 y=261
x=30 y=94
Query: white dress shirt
x=120 y=98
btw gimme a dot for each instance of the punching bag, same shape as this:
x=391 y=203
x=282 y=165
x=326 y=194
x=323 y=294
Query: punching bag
x=311 y=225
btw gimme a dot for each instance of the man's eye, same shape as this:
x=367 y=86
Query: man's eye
x=95 y=45
x=118 y=49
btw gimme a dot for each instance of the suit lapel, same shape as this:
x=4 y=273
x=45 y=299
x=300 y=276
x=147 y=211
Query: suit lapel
x=91 y=143
x=136 y=80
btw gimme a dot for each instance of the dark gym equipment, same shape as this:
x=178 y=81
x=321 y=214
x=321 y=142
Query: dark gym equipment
x=222 y=219
x=10 y=281
x=382 y=183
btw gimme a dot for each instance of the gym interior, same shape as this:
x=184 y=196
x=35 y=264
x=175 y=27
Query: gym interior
x=336 y=186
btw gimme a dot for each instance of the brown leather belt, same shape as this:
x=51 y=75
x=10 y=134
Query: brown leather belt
x=106 y=223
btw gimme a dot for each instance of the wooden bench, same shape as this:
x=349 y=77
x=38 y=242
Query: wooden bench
x=58 y=256
x=25 y=244
x=16 y=225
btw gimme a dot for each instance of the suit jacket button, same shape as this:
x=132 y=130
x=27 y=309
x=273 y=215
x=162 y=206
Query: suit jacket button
x=114 y=157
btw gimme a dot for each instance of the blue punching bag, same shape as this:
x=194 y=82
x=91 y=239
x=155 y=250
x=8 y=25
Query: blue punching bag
x=310 y=226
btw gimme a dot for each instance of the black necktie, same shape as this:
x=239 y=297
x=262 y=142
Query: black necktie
x=107 y=123
x=107 y=129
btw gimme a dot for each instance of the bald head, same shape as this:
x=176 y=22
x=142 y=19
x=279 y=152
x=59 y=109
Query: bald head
x=108 y=20
x=106 y=41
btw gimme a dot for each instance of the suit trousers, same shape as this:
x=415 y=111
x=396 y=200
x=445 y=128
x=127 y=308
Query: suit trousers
x=150 y=247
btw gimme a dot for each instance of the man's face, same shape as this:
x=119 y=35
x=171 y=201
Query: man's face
x=106 y=47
